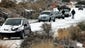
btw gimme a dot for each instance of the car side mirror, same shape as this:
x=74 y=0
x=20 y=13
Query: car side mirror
x=25 y=24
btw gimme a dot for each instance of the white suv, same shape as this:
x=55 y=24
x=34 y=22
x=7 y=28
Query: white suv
x=15 y=27
x=46 y=15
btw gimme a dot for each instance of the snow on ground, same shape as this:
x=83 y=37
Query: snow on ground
x=59 y=23
x=32 y=21
x=11 y=43
x=36 y=26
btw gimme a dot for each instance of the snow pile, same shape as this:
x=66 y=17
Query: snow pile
x=36 y=26
x=80 y=45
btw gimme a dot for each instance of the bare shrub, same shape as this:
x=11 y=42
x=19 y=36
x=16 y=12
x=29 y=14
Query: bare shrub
x=43 y=44
x=33 y=38
x=63 y=34
x=60 y=46
x=82 y=37
x=82 y=25
x=47 y=28
x=35 y=15
x=3 y=46
x=75 y=32
x=8 y=4
x=66 y=35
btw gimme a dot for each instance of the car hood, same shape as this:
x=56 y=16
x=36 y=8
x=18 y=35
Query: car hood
x=44 y=15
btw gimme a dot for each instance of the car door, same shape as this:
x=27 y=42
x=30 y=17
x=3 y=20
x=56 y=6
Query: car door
x=57 y=14
x=26 y=27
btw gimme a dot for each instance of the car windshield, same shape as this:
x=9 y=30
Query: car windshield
x=66 y=10
x=13 y=22
x=48 y=13
x=55 y=13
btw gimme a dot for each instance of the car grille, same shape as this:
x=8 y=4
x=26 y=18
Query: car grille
x=43 y=17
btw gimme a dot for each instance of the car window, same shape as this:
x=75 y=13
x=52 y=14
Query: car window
x=24 y=22
x=13 y=22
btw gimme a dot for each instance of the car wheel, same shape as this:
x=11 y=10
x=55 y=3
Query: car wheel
x=54 y=20
x=49 y=19
x=22 y=35
x=38 y=20
x=62 y=17
x=59 y=17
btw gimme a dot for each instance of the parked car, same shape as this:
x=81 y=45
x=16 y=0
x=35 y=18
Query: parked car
x=46 y=16
x=58 y=14
x=63 y=7
x=80 y=8
x=67 y=13
x=16 y=27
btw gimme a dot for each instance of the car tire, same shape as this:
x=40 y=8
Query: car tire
x=54 y=20
x=22 y=35
x=38 y=20
x=49 y=19
x=62 y=17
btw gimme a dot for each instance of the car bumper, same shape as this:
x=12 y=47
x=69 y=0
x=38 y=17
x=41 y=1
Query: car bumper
x=59 y=16
x=67 y=15
x=10 y=34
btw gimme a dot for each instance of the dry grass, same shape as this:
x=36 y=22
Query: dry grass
x=63 y=33
x=6 y=45
x=60 y=46
x=3 y=46
x=43 y=44
x=69 y=33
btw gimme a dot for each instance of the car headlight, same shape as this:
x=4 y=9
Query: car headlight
x=14 y=29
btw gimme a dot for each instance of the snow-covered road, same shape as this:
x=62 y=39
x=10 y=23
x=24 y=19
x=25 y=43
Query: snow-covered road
x=59 y=23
